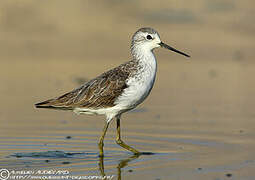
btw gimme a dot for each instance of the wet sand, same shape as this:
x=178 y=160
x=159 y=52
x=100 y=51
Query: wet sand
x=198 y=122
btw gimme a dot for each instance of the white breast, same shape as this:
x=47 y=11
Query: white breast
x=140 y=85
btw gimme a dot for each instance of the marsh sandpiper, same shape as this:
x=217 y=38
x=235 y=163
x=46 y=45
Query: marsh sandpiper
x=119 y=89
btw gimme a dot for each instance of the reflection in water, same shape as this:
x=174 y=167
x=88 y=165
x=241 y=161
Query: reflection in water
x=74 y=158
x=123 y=163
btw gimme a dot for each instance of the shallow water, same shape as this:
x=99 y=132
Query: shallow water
x=197 y=123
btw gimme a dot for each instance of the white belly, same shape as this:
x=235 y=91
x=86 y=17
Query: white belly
x=139 y=88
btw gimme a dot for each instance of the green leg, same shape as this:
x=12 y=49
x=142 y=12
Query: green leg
x=101 y=140
x=101 y=165
x=120 y=142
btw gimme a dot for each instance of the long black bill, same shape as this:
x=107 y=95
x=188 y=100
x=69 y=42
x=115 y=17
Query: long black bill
x=172 y=49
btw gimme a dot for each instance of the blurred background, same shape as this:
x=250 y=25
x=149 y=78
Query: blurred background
x=50 y=47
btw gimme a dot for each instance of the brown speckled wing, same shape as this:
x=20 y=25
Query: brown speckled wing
x=100 y=92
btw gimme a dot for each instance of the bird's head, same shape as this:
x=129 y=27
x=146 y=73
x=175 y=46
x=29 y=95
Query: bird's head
x=149 y=39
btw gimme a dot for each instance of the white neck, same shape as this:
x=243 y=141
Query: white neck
x=144 y=55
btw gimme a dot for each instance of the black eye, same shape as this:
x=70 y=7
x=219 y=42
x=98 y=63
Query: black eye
x=148 y=37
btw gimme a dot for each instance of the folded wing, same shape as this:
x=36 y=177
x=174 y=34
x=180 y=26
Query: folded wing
x=100 y=92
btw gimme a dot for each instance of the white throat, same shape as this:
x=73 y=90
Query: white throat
x=144 y=55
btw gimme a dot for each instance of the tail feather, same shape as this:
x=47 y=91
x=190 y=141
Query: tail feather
x=64 y=102
x=49 y=105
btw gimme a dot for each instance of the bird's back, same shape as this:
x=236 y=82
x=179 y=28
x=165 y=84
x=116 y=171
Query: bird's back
x=100 y=92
